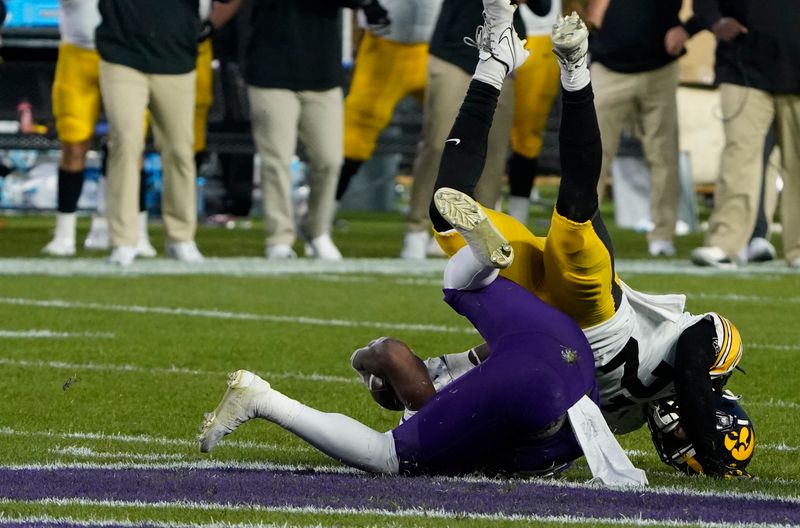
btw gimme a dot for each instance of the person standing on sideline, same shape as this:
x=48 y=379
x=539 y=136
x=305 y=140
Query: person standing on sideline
x=758 y=71
x=294 y=75
x=76 y=108
x=390 y=65
x=148 y=51
x=635 y=52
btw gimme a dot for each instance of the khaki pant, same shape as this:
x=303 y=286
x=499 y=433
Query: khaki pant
x=281 y=117
x=648 y=98
x=447 y=85
x=127 y=93
x=747 y=115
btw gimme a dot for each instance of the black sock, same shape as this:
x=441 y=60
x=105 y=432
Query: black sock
x=349 y=169
x=465 y=149
x=70 y=185
x=581 y=155
x=521 y=173
x=142 y=191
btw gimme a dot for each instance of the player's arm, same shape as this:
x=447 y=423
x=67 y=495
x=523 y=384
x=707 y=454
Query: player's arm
x=694 y=356
x=396 y=378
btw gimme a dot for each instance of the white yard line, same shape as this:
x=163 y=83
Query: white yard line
x=106 y=367
x=47 y=520
x=87 y=452
x=52 y=334
x=315 y=377
x=146 y=439
x=241 y=316
x=254 y=266
x=405 y=513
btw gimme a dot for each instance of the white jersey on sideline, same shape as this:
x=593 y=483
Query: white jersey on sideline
x=412 y=21
x=535 y=25
x=77 y=20
x=634 y=354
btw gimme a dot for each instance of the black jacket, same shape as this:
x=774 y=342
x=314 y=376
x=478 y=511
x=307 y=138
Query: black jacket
x=296 y=44
x=768 y=56
x=152 y=36
x=631 y=38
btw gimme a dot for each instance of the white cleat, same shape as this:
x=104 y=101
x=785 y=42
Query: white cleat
x=122 y=255
x=185 y=251
x=570 y=41
x=280 y=252
x=496 y=38
x=468 y=218
x=238 y=405
x=97 y=239
x=322 y=248
x=60 y=247
x=146 y=250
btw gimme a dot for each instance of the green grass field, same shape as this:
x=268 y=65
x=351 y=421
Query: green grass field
x=116 y=369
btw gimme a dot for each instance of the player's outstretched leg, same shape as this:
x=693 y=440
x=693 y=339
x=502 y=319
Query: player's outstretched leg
x=579 y=137
x=488 y=246
x=338 y=436
x=500 y=52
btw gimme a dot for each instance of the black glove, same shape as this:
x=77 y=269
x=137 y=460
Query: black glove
x=377 y=17
x=206 y=30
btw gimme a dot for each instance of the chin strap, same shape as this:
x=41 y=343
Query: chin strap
x=607 y=461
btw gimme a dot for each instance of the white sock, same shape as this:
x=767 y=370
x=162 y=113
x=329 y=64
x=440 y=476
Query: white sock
x=519 y=208
x=143 y=227
x=101 y=196
x=65 y=227
x=491 y=71
x=336 y=435
x=465 y=272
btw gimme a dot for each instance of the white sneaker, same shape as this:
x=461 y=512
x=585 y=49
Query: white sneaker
x=323 y=248
x=760 y=250
x=280 y=252
x=63 y=243
x=143 y=247
x=496 y=38
x=415 y=245
x=468 y=218
x=97 y=239
x=60 y=247
x=661 y=248
x=571 y=45
x=795 y=264
x=238 y=405
x=184 y=251
x=711 y=256
x=122 y=255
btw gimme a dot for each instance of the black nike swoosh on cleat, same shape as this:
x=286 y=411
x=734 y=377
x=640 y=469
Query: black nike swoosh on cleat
x=506 y=36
